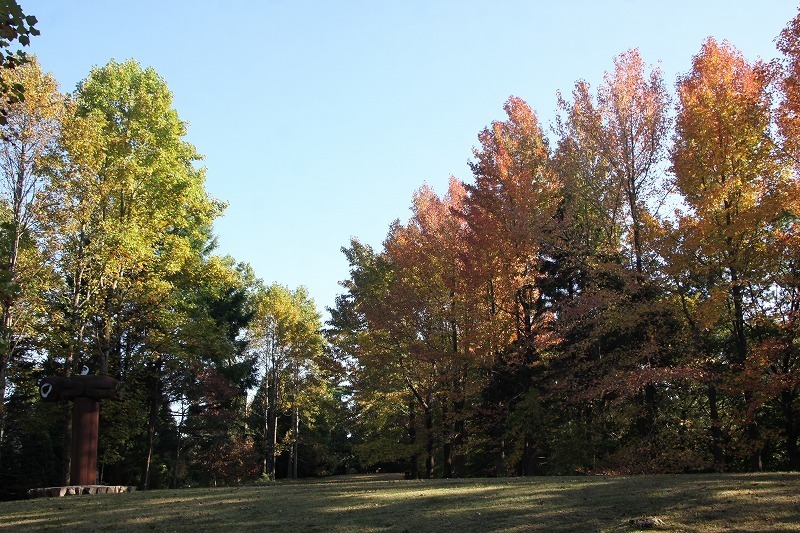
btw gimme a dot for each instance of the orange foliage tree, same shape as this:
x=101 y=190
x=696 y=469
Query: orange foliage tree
x=511 y=212
x=610 y=156
x=726 y=169
x=432 y=303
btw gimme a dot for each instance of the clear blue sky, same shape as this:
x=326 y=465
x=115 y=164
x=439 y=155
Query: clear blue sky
x=319 y=119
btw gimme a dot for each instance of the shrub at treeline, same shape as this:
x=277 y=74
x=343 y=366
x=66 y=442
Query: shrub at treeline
x=622 y=297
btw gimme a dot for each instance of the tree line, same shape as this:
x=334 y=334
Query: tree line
x=620 y=295
x=108 y=266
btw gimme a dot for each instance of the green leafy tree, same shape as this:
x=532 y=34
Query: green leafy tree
x=128 y=216
x=286 y=336
x=29 y=132
x=385 y=426
x=15 y=26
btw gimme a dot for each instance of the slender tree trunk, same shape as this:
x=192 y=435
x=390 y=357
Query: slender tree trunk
x=265 y=451
x=273 y=448
x=429 y=460
x=290 y=460
x=178 y=448
x=67 y=454
x=155 y=403
x=459 y=438
x=790 y=428
x=3 y=364
x=151 y=438
x=528 y=458
x=636 y=224
x=716 y=430
x=412 y=439
x=501 y=458
x=295 y=443
x=753 y=436
x=646 y=421
x=291 y=464
x=105 y=345
x=447 y=449
x=752 y=430
x=272 y=422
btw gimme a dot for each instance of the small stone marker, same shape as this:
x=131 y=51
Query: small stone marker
x=646 y=522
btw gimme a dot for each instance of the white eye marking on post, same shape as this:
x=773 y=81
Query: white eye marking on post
x=46 y=389
x=85 y=370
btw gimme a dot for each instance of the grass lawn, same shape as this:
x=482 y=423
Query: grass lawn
x=720 y=502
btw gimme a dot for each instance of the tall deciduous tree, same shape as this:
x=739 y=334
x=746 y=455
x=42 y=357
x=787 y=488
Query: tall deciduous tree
x=383 y=406
x=127 y=213
x=626 y=128
x=726 y=168
x=511 y=212
x=150 y=206
x=431 y=294
x=610 y=154
x=30 y=131
x=134 y=201
x=286 y=334
x=784 y=274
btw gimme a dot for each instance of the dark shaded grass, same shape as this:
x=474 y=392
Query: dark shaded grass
x=722 y=502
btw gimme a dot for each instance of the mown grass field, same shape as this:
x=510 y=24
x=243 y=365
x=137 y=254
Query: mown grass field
x=726 y=502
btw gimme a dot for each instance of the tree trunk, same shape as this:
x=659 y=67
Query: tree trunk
x=272 y=423
x=790 y=428
x=752 y=430
x=2 y=406
x=291 y=464
x=296 y=428
x=265 y=451
x=646 y=421
x=152 y=422
x=178 y=448
x=716 y=430
x=637 y=231
x=500 y=463
x=429 y=460
x=447 y=455
x=459 y=438
x=67 y=455
x=528 y=463
x=413 y=472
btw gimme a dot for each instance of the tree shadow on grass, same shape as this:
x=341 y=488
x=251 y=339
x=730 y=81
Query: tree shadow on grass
x=755 y=502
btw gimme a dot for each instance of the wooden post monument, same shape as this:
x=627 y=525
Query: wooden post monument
x=85 y=392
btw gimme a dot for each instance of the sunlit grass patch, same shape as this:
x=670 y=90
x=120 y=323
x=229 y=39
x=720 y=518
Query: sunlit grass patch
x=746 y=502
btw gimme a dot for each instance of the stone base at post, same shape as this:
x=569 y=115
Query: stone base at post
x=74 y=490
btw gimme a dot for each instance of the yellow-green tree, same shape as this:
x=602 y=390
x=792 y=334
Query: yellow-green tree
x=128 y=218
x=132 y=208
x=27 y=135
x=286 y=335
